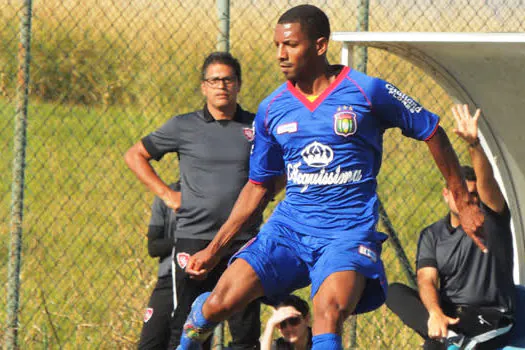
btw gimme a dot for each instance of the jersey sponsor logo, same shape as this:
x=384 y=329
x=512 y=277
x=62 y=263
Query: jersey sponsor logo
x=317 y=155
x=369 y=253
x=148 y=314
x=345 y=121
x=288 y=128
x=406 y=100
x=182 y=259
x=248 y=133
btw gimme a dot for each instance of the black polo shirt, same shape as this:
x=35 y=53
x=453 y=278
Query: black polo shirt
x=467 y=275
x=214 y=160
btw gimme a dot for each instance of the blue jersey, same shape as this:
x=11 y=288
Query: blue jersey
x=331 y=151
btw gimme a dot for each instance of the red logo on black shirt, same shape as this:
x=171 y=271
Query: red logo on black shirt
x=148 y=314
x=248 y=133
x=182 y=259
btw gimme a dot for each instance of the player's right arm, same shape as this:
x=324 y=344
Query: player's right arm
x=438 y=322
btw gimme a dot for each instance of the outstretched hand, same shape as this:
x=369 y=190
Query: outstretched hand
x=470 y=217
x=467 y=125
x=201 y=263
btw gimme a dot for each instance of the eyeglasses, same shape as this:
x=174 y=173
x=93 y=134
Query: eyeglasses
x=216 y=81
x=292 y=321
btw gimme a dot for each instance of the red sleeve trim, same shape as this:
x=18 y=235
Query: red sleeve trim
x=433 y=132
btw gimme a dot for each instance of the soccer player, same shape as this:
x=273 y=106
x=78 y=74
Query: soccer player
x=323 y=128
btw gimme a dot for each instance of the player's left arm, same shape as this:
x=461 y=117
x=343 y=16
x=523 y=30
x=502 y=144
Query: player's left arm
x=470 y=215
x=396 y=109
x=467 y=129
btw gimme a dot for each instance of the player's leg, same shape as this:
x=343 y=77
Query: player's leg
x=335 y=300
x=237 y=287
x=406 y=304
x=348 y=277
x=266 y=266
x=187 y=289
x=155 y=329
x=245 y=326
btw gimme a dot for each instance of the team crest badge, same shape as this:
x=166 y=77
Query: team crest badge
x=345 y=121
x=248 y=133
x=148 y=314
x=182 y=259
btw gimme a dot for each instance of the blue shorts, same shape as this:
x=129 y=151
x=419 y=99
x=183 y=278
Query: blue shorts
x=285 y=260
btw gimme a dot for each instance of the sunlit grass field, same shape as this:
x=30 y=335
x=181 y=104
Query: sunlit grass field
x=98 y=88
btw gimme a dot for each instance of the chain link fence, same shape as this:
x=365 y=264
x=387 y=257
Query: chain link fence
x=103 y=74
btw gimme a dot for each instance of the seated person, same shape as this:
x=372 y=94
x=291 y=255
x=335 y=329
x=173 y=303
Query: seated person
x=292 y=318
x=473 y=305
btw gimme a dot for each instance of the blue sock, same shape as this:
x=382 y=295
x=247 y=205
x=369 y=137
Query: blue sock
x=327 y=341
x=196 y=329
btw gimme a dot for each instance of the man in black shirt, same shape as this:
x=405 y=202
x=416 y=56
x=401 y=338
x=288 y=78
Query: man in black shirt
x=155 y=332
x=473 y=304
x=213 y=146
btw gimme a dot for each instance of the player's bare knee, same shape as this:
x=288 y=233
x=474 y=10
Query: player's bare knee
x=220 y=304
x=215 y=305
x=332 y=313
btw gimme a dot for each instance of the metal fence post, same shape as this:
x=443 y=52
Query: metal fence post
x=223 y=12
x=223 y=44
x=17 y=196
x=361 y=52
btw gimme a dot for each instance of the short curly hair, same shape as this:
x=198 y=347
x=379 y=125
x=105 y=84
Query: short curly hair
x=313 y=21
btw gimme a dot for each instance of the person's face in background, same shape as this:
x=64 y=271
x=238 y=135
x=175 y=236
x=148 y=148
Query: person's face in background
x=220 y=86
x=295 y=328
x=449 y=198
